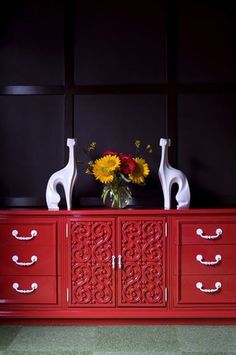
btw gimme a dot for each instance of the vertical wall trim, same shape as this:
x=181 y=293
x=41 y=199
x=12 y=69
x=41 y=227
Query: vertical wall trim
x=69 y=10
x=171 y=40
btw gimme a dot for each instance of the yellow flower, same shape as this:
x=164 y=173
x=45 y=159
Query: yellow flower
x=141 y=171
x=111 y=162
x=104 y=168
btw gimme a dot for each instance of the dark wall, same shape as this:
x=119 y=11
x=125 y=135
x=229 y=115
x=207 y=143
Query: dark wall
x=113 y=72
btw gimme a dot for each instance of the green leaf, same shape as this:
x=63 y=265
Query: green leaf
x=124 y=178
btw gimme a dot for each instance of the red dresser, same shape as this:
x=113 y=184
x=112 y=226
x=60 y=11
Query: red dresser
x=127 y=266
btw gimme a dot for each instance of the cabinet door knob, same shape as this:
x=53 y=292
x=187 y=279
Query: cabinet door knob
x=119 y=261
x=199 y=232
x=15 y=233
x=15 y=258
x=34 y=286
x=199 y=285
x=113 y=261
x=200 y=258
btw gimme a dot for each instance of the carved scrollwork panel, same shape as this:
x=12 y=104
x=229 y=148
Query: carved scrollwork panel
x=81 y=241
x=142 y=275
x=102 y=246
x=103 y=292
x=131 y=284
x=92 y=277
x=153 y=283
x=152 y=245
x=142 y=284
x=131 y=240
x=81 y=279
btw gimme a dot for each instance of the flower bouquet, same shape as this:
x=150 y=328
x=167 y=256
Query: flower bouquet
x=116 y=170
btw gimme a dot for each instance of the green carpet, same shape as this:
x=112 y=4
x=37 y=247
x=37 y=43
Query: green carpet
x=118 y=340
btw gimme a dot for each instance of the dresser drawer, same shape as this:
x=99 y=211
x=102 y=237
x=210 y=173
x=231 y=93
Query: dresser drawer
x=27 y=260
x=27 y=233
x=208 y=233
x=208 y=259
x=28 y=289
x=221 y=289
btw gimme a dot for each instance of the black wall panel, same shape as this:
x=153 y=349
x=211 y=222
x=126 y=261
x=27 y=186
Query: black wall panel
x=32 y=146
x=31 y=42
x=207 y=149
x=120 y=42
x=206 y=41
x=115 y=122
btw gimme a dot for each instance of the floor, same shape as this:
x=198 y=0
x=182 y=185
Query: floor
x=118 y=340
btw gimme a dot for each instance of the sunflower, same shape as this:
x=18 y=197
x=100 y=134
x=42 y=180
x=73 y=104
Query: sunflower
x=104 y=168
x=141 y=171
x=109 y=161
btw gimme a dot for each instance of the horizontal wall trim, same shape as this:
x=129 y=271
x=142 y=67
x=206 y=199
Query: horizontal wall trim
x=31 y=90
x=216 y=88
x=134 y=89
x=120 y=89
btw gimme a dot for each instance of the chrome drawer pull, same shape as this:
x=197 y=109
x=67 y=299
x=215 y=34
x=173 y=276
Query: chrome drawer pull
x=15 y=258
x=33 y=287
x=113 y=261
x=200 y=258
x=199 y=231
x=15 y=234
x=119 y=261
x=199 y=285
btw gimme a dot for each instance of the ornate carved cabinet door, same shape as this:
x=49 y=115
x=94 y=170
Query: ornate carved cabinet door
x=141 y=268
x=92 y=272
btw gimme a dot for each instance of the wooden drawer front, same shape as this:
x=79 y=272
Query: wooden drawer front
x=28 y=260
x=221 y=257
x=27 y=234
x=46 y=291
x=189 y=293
x=189 y=233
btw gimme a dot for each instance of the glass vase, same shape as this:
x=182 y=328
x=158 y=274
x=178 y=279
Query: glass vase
x=116 y=195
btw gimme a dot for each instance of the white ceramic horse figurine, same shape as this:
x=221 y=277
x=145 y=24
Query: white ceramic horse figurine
x=66 y=177
x=168 y=176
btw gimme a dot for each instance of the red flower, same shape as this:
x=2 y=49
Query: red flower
x=128 y=165
x=110 y=152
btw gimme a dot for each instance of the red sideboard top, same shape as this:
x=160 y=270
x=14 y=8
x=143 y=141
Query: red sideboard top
x=104 y=211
